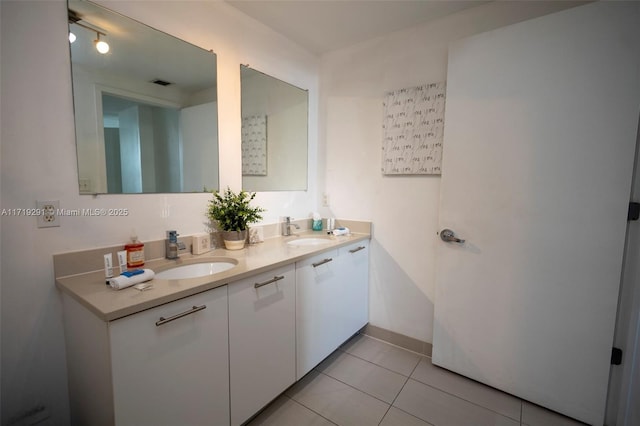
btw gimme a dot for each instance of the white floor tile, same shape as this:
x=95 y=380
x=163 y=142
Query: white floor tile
x=534 y=415
x=467 y=389
x=381 y=353
x=337 y=401
x=443 y=409
x=350 y=389
x=396 y=417
x=286 y=412
x=363 y=375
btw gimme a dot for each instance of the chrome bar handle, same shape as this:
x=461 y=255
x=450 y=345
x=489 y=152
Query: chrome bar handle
x=164 y=320
x=272 y=280
x=322 y=262
x=357 y=249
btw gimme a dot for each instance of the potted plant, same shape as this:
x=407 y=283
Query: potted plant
x=232 y=214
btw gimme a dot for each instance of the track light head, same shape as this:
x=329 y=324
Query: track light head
x=101 y=45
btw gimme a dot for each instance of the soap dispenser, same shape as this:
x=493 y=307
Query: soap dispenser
x=135 y=252
x=172 y=245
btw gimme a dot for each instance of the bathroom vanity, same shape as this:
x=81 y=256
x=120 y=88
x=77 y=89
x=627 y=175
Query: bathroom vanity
x=215 y=349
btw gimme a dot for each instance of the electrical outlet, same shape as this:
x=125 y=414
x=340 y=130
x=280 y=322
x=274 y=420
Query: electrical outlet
x=48 y=216
x=85 y=185
x=325 y=199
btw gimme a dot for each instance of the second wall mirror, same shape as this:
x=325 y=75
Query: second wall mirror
x=274 y=133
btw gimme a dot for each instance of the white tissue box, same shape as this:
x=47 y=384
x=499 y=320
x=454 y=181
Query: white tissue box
x=201 y=244
x=256 y=235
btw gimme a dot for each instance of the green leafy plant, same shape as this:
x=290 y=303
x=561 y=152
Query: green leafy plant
x=231 y=211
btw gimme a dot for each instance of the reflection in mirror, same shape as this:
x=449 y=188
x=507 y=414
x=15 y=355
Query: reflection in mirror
x=146 y=111
x=274 y=133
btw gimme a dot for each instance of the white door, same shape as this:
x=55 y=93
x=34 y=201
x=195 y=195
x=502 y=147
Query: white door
x=541 y=122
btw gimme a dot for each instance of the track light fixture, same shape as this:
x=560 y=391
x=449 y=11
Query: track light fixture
x=101 y=45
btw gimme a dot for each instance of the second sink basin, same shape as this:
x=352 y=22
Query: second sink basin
x=309 y=241
x=196 y=270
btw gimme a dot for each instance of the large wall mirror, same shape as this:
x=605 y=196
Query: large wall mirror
x=146 y=111
x=274 y=133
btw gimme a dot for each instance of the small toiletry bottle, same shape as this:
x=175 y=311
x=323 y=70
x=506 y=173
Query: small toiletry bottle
x=108 y=267
x=317 y=222
x=172 y=245
x=135 y=253
x=122 y=260
x=331 y=223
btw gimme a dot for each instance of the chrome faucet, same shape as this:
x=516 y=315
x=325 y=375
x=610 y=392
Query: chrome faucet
x=286 y=226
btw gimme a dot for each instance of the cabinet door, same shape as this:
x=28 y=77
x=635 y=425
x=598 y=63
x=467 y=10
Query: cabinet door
x=261 y=340
x=353 y=308
x=173 y=372
x=317 y=297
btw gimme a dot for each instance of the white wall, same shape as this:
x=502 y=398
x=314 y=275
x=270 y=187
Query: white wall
x=404 y=210
x=38 y=162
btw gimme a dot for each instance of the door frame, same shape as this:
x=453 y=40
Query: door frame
x=624 y=379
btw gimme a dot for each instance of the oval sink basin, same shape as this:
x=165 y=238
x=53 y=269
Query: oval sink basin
x=310 y=241
x=196 y=270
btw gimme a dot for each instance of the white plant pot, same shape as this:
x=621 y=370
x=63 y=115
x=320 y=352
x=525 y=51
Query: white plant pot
x=234 y=240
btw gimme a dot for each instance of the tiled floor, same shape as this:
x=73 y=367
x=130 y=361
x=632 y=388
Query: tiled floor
x=369 y=382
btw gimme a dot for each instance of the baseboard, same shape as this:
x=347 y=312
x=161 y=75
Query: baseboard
x=406 y=342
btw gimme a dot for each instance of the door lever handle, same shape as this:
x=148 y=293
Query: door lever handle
x=449 y=236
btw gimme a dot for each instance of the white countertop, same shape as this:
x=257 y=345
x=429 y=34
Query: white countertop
x=109 y=304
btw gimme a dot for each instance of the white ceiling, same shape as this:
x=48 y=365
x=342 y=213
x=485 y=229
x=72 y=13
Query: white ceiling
x=320 y=26
x=138 y=51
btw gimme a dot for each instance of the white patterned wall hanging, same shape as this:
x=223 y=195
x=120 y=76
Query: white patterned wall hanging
x=254 y=145
x=412 y=129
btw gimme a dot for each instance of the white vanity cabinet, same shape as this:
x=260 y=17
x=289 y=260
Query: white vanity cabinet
x=332 y=302
x=216 y=357
x=168 y=365
x=262 y=350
